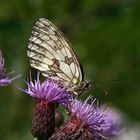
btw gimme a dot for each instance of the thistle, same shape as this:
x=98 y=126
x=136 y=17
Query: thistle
x=88 y=121
x=46 y=95
x=4 y=77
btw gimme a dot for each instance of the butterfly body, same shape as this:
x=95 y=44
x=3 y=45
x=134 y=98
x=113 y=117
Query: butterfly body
x=51 y=53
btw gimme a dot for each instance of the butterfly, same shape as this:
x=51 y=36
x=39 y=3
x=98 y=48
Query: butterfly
x=50 y=52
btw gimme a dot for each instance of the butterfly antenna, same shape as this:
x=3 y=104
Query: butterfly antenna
x=111 y=80
x=101 y=87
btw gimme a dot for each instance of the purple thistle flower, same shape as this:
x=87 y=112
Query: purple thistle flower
x=46 y=94
x=88 y=122
x=49 y=90
x=4 y=77
x=101 y=122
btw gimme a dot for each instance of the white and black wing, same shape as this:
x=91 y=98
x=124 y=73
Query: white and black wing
x=51 y=53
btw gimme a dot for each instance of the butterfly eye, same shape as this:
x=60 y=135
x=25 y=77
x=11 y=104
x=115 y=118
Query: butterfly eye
x=87 y=86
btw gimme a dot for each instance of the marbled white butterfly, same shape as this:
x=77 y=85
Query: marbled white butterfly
x=50 y=52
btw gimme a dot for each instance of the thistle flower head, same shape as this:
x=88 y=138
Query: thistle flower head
x=99 y=121
x=49 y=90
x=4 y=77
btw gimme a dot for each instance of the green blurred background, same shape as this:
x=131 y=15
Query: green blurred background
x=105 y=35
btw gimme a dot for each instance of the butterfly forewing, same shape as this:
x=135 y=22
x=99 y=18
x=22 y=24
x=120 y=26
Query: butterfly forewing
x=51 y=53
